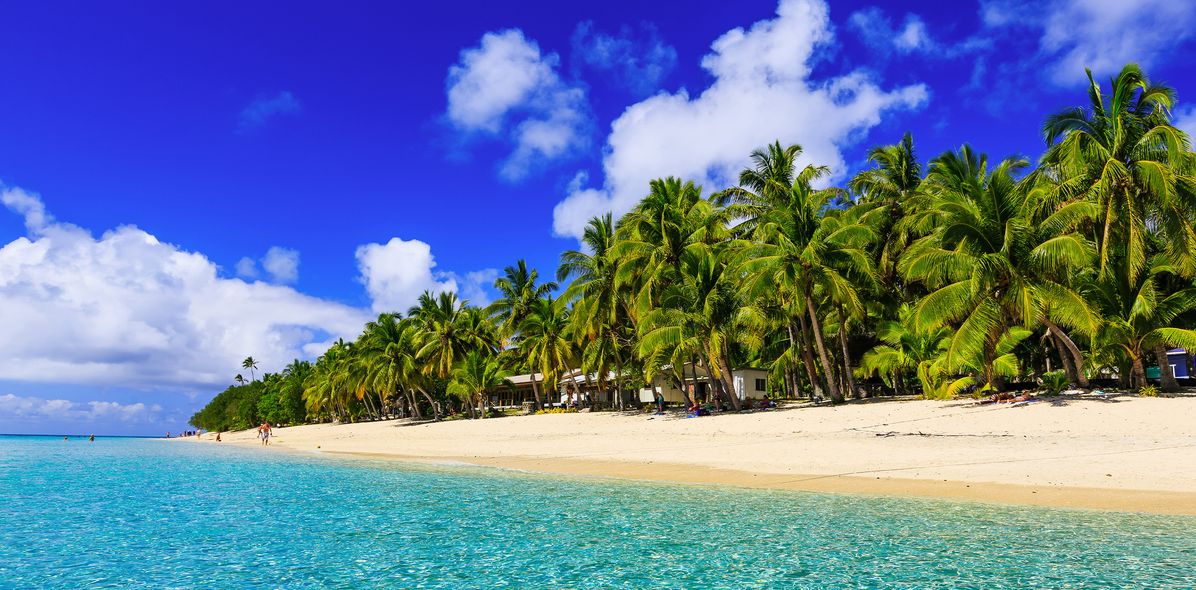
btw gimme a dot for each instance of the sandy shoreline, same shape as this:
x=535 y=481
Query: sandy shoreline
x=1124 y=453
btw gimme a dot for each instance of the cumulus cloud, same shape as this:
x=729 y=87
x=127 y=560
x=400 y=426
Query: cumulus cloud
x=1185 y=120
x=126 y=309
x=762 y=91
x=397 y=272
x=1097 y=34
x=282 y=264
x=505 y=88
x=264 y=108
x=35 y=409
x=637 y=60
x=877 y=31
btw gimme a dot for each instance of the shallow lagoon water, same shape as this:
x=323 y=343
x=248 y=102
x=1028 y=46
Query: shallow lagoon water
x=135 y=513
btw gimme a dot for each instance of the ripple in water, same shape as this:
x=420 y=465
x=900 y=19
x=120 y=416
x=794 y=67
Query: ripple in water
x=145 y=514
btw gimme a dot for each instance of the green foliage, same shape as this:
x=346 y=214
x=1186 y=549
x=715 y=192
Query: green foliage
x=1054 y=381
x=1148 y=391
x=954 y=278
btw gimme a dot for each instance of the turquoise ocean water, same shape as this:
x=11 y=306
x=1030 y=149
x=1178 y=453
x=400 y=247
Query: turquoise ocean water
x=135 y=513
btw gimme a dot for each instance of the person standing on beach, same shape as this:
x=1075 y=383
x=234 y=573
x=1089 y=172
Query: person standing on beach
x=264 y=429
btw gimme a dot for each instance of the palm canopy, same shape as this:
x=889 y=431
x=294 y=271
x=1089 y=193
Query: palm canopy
x=1122 y=154
x=518 y=292
x=989 y=267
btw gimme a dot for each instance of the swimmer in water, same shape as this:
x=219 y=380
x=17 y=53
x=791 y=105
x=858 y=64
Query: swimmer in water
x=91 y=438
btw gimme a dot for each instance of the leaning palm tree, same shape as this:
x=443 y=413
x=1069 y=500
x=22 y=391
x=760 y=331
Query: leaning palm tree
x=239 y=380
x=474 y=376
x=251 y=364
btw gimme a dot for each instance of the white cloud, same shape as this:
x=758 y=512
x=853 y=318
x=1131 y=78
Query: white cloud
x=282 y=264
x=60 y=410
x=126 y=309
x=637 y=60
x=397 y=272
x=262 y=109
x=913 y=37
x=1102 y=35
x=246 y=268
x=761 y=92
x=506 y=88
x=1185 y=120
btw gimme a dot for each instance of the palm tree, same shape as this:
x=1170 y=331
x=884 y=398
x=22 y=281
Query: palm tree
x=251 y=364
x=439 y=316
x=988 y=265
x=545 y=343
x=1142 y=318
x=388 y=351
x=475 y=375
x=239 y=379
x=599 y=314
x=801 y=252
x=906 y=351
x=518 y=293
x=1122 y=154
x=887 y=194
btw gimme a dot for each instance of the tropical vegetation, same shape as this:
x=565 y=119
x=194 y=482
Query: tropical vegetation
x=964 y=273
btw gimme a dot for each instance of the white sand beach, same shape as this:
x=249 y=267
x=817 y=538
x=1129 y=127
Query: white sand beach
x=1122 y=453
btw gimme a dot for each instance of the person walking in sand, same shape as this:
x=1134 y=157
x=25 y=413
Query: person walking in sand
x=264 y=432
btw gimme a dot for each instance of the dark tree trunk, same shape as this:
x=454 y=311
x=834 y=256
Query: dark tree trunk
x=807 y=358
x=1065 y=358
x=1077 y=358
x=536 y=392
x=1166 y=375
x=827 y=367
x=848 y=377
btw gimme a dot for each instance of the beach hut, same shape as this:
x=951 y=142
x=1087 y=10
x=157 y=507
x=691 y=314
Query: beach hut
x=750 y=383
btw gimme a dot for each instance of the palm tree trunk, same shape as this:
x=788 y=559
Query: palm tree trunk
x=1166 y=375
x=536 y=391
x=1069 y=367
x=413 y=403
x=432 y=402
x=789 y=368
x=848 y=377
x=1138 y=376
x=807 y=357
x=618 y=376
x=1077 y=358
x=836 y=396
x=728 y=382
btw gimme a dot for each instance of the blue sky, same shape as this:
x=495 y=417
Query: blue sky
x=186 y=185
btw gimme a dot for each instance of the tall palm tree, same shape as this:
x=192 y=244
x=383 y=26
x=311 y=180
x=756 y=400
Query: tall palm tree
x=797 y=250
x=545 y=343
x=518 y=292
x=888 y=193
x=388 y=352
x=599 y=314
x=1123 y=154
x=251 y=364
x=988 y=265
